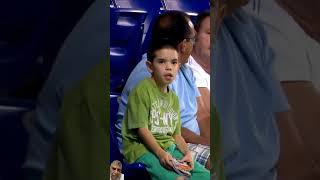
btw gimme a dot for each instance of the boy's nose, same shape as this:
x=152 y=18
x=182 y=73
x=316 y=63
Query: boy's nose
x=168 y=67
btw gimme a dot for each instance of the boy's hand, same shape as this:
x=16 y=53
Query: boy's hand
x=188 y=158
x=166 y=159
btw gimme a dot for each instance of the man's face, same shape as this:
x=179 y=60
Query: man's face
x=189 y=42
x=115 y=172
x=202 y=44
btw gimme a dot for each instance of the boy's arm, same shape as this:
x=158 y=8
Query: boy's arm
x=181 y=143
x=183 y=147
x=151 y=143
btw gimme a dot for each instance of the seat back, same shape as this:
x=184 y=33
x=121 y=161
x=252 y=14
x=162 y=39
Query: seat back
x=13 y=138
x=114 y=148
x=151 y=6
x=131 y=171
x=190 y=6
x=126 y=26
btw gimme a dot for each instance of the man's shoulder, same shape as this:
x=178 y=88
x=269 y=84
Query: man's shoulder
x=137 y=74
x=192 y=63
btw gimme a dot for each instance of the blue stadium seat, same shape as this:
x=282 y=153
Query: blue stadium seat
x=153 y=7
x=131 y=171
x=126 y=26
x=190 y=6
x=13 y=137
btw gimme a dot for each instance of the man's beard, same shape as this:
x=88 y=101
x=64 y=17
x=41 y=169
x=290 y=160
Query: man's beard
x=115 y=177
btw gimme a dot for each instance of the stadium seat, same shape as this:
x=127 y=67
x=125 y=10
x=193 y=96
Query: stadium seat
x=126 y=26
x=153 y=7
x=13 y=137
x=190 y=6
x=131 y=171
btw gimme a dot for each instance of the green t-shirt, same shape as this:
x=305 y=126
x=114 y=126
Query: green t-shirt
x=149 y=107
x=80 y=150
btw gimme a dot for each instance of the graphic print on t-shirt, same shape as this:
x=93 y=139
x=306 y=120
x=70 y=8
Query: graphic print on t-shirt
x=163 y=118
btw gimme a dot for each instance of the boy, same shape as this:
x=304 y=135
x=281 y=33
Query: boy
x=151 y=128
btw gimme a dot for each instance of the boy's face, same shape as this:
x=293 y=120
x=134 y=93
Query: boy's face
x=164 y=66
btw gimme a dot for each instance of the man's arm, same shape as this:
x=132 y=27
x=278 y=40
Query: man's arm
x=294 y=156
x=203 y=114
x=192 y=137
x=299 y=131
x=203 y=118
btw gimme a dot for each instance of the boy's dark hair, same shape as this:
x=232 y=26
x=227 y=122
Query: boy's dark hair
x=157 y=45
x=173 y=26
x=200 y=19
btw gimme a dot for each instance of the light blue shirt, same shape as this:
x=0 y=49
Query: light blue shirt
x=247 y=96
x=184 y=86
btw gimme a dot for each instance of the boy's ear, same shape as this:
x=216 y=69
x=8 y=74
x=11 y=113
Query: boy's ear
x=149 y=66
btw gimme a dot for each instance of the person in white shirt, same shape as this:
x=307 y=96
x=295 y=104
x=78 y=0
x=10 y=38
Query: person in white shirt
x=199 y=62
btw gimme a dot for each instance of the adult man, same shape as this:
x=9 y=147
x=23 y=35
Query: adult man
x=199 y=62
x=247 y=97
x=177 y=28
x=115 y=170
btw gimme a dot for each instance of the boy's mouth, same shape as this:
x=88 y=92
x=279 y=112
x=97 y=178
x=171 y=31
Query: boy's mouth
x=168 y=76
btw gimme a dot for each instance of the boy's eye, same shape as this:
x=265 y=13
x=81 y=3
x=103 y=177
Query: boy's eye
x=161 y=61
x=174 y=62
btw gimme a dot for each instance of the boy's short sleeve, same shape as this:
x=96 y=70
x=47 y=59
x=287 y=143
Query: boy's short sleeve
x=137 y=110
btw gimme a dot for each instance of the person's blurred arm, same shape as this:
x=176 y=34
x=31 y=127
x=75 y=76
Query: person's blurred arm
x=299 y=130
